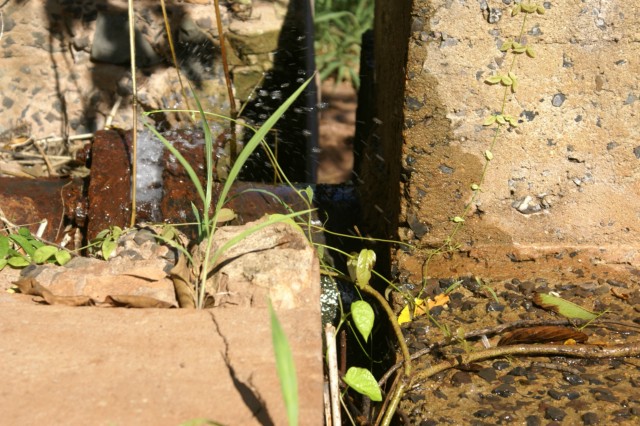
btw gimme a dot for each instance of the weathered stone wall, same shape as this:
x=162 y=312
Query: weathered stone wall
x=561 y=197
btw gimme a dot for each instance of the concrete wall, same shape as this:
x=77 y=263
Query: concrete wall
x=561 y=198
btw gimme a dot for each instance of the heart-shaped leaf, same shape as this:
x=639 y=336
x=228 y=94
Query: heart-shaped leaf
x=363 y=317
x=362 y=381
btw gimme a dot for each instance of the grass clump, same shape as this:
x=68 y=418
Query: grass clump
x=339 y=26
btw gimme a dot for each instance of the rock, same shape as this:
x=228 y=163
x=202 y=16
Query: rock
x=98 y=279
x=276 y=263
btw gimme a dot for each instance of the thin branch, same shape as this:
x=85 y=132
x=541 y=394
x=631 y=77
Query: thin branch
x=576 y=351
x=134 y=108
x=491 y=331
x=227 y=77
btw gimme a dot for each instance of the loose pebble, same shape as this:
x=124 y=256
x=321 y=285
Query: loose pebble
x=601 y=394
x=589 y=419
x=504 y=390
x=533 y=421
x=554 y=413
x=573 y=379
x=488 y=374
x=501 y=365
x=460 y=378
x=483 y=414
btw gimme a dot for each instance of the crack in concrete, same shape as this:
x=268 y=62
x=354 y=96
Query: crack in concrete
x=250 y=395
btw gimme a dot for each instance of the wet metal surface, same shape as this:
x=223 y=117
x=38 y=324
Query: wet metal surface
x=29 y=201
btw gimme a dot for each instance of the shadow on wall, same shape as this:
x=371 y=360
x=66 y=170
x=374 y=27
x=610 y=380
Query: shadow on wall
x=110 y=49
x=296 y=134
x=198 y=55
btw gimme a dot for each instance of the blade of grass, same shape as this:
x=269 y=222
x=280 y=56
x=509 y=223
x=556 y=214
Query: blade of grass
x=285 y=367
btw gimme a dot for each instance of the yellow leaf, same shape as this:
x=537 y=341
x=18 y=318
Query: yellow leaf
x=421 y=308
x=405 y=316
x=440 y=300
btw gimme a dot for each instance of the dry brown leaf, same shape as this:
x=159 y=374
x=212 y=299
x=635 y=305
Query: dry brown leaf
x=619 y=294
x=29 y=286
x=181 y=277
x=130 y=301
x=51 y=299
x=542 y=334
x=33 y=287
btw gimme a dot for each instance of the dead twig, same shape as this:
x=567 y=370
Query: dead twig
x=491 y=331
x=112 y=113
x=52 y=171
x=575 y=351
x=332 y=360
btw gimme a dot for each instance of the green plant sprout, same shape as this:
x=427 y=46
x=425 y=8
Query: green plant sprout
x=285 y=367
x=509 y=82
x=22 y=249
x=212 y=215
x=360 y=267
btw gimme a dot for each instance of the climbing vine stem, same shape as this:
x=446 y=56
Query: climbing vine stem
x=509 y=82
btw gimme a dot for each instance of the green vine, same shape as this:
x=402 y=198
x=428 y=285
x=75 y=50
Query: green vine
x=509 y=81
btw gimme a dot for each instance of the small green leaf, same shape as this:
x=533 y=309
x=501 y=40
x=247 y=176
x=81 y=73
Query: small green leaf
x=115 y=232
x=366 y=260
x=62 y=257
x=168 y=232
x=530 y=52
x=363 y=317
x=512 y=120
x=309 y=193
x=520 y=49
x=514 y=86
x=457 y=219
x=505 y=80
x=42 y=254
x=563 y=307
x=540 y=9
x=102 y=234
x=4 y=246
x=506 y=46
x=494 y=79
x=23 y=242
x=488 y=155
x=108 y=247
x=489 y=120
x=500 y=119
x=516 y=10
x=225 y=215
x=475 y=186
x=529 y=8
x=25 y=232
x=511 y=75
x=3 y=263
x=517 y=45
x=360 y=267
x=363 y=382
x=18 y=261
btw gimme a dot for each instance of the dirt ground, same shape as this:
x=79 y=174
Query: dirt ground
x=531 y=390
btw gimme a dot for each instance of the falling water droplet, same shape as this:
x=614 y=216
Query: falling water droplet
x=276 y=95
